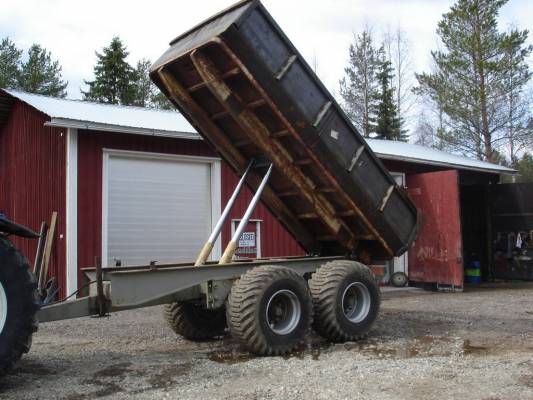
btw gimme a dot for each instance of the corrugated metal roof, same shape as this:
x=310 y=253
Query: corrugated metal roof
x=97 y=116
x=401 y=151
x=90 y=115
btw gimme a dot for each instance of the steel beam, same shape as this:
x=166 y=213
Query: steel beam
x=232 y=245
x=208 y=246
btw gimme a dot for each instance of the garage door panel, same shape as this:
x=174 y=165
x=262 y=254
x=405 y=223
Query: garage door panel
x=157 y=210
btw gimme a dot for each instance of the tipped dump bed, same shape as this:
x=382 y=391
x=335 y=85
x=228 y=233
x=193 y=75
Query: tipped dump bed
x=250 y=94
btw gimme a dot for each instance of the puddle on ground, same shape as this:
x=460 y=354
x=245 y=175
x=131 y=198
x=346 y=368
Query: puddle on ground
x=313 y=349
x=421 y=346
x=230 y=357
x=469 y=349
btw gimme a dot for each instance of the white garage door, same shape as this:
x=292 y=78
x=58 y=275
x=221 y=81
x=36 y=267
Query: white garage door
x=155 y=209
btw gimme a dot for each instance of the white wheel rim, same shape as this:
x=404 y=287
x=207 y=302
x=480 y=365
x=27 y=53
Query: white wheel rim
x=3 y=307
x=356 y=302
x=283 y=312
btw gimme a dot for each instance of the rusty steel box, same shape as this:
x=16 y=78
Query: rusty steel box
x=243 y=85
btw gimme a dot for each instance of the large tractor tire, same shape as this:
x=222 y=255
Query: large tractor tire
x=18 y=304
x=346 y=300
x=194 y=321
x=269 y=310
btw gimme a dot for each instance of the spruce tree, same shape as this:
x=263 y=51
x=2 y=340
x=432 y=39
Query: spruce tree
x=114 y=79
x=147 y=93
x=159 y=100
x=359 y=86
x=144 y=87
x=525 y=168
x=42 y=75
x=471 y=83
x=9 y=64
x=387 y=121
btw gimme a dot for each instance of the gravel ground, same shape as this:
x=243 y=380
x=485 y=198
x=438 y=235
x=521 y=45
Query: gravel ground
x=472 y=345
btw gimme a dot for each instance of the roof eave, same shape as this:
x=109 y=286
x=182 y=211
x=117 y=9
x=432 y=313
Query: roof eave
x=444 y=164
x=95 y=126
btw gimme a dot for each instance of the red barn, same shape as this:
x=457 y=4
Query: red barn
x=135 y=185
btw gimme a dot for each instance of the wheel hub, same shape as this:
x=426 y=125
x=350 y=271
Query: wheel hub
x=356 y=302
x=283 y=312
x=3 y=307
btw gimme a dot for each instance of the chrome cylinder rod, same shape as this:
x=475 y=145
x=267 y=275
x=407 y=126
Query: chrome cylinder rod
x=208 y=246
x=232 y=245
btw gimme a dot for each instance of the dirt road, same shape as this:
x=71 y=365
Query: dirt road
x=473 y=345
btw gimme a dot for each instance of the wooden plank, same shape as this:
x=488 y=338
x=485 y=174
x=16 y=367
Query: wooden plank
x=227 y=74
x=326 y=189
x=303 y=161
x=48 y=250
x=282 y=133
x=307 y=216
x=289 y=193
x=242 y=142
x=347 y=213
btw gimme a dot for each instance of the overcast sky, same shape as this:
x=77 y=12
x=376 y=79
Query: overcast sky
x=322 y=30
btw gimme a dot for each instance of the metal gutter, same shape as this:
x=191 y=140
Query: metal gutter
x=503 y=170
x=95 y=126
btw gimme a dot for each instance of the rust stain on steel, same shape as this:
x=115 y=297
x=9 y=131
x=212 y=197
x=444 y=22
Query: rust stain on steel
x=297 y=137
x=278 y=154
x=234 y=157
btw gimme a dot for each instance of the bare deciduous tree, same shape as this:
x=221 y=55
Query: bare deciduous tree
x=398 y=50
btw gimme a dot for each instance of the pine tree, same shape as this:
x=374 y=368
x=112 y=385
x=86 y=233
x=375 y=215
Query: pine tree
x=519 y=129
x=359 y=85
x=525 y=168
x=159 y=100
x=147 y=94
x=114 y=79
x=42 y=75
x=471 y=83
x=387 y=121
x=143 y=84
x=9 y=64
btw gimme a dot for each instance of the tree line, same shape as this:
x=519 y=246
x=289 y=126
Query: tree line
x=476 y=100
x=115 y=80
x=38 y=74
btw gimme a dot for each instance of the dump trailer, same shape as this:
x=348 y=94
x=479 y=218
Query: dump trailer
x=241 y=83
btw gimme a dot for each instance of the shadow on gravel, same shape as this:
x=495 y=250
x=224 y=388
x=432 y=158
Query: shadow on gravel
x=409 y=324
x=138 y=379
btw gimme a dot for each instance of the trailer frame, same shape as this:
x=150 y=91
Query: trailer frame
x=127 y=288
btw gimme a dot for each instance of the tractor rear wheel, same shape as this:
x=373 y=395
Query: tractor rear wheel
x=18 y=304
x=194 y=321
x=270 y=310
x=346 y=300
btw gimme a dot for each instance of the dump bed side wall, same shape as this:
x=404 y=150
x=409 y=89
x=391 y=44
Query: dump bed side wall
x=260 y=43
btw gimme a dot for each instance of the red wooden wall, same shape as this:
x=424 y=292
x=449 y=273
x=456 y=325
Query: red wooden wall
x=33 y=180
